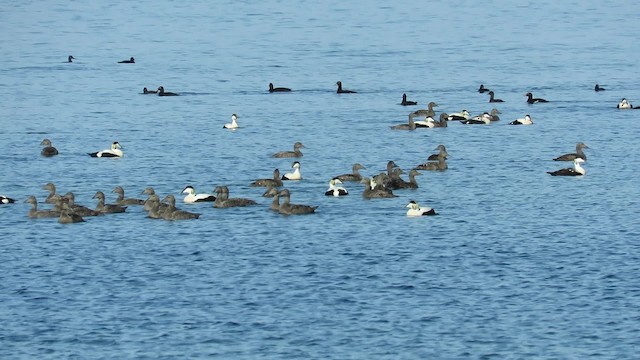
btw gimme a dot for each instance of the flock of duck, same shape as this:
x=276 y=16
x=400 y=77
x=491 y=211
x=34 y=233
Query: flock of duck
x=381 y=185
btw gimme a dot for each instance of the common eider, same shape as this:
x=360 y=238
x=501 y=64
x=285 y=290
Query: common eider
x=335 y=190
x=277 y=89
x=115 y=151
x=34 y=213
x=173 y=213
x=6 y=200
x=598 y=88
x=483 y=89
x=107 y=208
x=441 y=150
x=286 y=208
x=406 y=102
x=48 y=150
x=233 y=124
x=287 y=154
x=578 y=154
x=576 y=170
x=416 y=210
x=275 y=181
x=70 y=58
x=522 y=121
x=624 y=104
x=51 y=187
x=295 y=175
x=161 y=92
x=224 y=201
x=130 y=61
x=147 y=91
x=192 y=197
x=462 y=115
x=492 y=99
x=426 y=112
x=411 y=125
x=484 y=119
x=354 y=176
x=377 y=193
x=122 y=201
x=532 y=100
x=342 y=91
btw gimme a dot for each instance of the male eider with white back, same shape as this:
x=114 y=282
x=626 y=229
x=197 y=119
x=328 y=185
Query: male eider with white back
x=233 y=124
x=522 y=121
x=416 y=210
x=115 y=151
x=334 y=189
x=193 y=197
x=624 y=104
x=295 y=175
x=6 y=200
x=576 y=170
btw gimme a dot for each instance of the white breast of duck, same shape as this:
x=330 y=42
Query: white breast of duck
x=624 y=104
x=463 y=115
x=335 y=190
x=192 y=197
x=485 y=119
x=523 y=121
x=416 y=210
x=428 y=122
x=295 y=175
x=233 y=124
x=115 y=151
x=6 y=200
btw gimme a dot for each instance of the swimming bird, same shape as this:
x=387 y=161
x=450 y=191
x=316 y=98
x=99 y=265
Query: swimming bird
x=416 y=210
x=335 y=190
x=223 y=200
x=462 y=115
x=52 y=192
x=70 y=58
x=286 y=208
x=522 y=121
x=428 y=123
x=532 y=100
x=494 y=114
x=107 y=208
x=233 y=124
x=34 y=213
x=68 y=215
x=377 y=193
x=155 y=209
x=270 y=192
x=398 y=183
x=115 y=151
x=354 y=175
x=192 y=197
x=483 y=89
x=151 y=196
x=624 y=104
x=287 y=154
x=6 y=200
x=442 y=122
x=492 y=99
x=161 y=92
x=147 y=91
x=173 y=213
x=295 y=175
x=278 y=89
x=122 y=201
x=275 y=203
x=441 y=150
x=48 y=150
x=68 y=201
x=576 y=170
x=426 y=112
x=275 y=181
x=484 y=119
x=341 y=91
x=439 y=165
x=405 y=102
x=411 y=125
x=598 y=88
x=130 y=61
x=578 y=154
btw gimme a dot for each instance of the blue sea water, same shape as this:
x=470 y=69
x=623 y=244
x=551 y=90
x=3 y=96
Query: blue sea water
x=518 y=264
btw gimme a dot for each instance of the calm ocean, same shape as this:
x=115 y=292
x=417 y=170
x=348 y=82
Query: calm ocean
x=518 y=264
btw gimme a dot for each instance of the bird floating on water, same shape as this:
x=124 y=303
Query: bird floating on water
x=115 y=151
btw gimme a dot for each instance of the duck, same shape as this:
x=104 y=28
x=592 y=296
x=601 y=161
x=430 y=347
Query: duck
x=523 y=121
x=51 y=187
x=115 y=151
x=107 y=208
x=494 y=114
x=462 y=115
x=441 y=150
x=277 y=89
x=483 y=89
x=48 y=150
x=34 y=213
x=428 y=123
x=68 y=201
x=354 y=175
x=69 y=217
x=335 y=190
x=147 y=91
x=192 y=197
x=70 y=58
x=572 y=156
x=398 y=183
x=155 y=209
x=161 y=92
x=377 y=193
x=406 y=102
x=275 y=203
x=275 y=181
x=342 y=91
x=233 y=124
x=286 y=208
x=426 y=112
x=442 y=122
x=624 y=104
x=287 y=154
x=122 y=201
x=532 y=100
x=416 y=210
x=270 y=192
x=484 y=119
x=130 y=61
x=439 y=165
x=151 y=196
x=295 y=175
x=173 y=213
x=492 y=99
x=411 y=125
x=598 y=88
x=6 y=200
x=223 y=200
x=576 y=170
